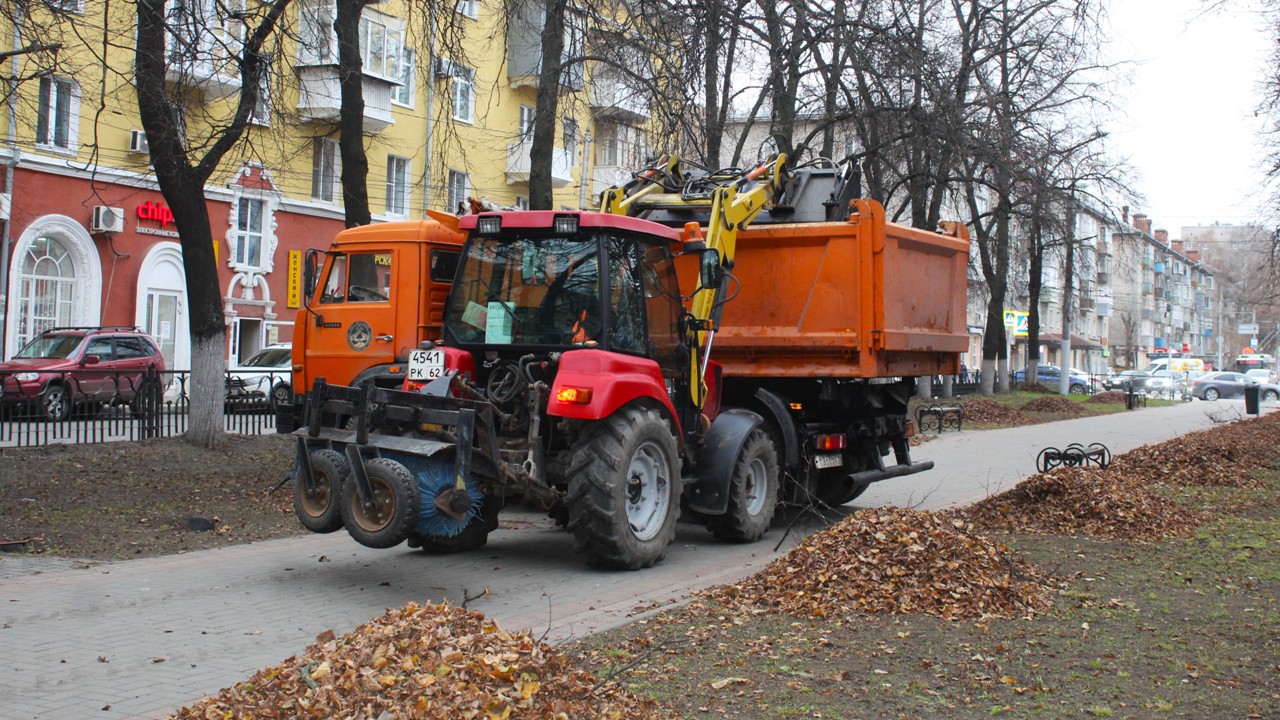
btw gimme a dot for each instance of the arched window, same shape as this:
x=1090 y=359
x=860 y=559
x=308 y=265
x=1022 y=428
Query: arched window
x=46 y=288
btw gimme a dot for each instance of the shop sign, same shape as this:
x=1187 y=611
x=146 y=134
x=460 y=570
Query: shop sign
x=294 y=296
x=157 y=212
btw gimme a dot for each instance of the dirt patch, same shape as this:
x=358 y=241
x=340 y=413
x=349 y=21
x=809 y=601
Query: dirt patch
x=115 y=501
x=1054 y=404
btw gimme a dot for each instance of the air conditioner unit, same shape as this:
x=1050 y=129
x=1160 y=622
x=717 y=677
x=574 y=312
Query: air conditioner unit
x=107 y=219
x=138 y=142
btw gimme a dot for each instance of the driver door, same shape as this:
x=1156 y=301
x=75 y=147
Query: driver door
x=355 y=323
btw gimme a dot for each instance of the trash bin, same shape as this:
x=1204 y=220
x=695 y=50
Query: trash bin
x=1130 y=402
x=1251 y=393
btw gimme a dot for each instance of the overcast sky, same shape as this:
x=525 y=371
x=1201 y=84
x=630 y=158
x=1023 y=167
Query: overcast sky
x=1191 y=132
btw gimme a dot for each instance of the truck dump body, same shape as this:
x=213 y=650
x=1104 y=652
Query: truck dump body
x=857 y=299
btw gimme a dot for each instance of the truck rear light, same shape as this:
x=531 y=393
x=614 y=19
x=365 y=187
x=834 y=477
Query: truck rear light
x=911 y=428
x=829 y=443
x=574 y=396
x=411 y=385
x=797 y=406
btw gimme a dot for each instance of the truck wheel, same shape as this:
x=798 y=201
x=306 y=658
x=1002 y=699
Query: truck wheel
x=753 y=492
x=389 y=519
x=624 y=484
x=320 y=510
x=55 y=403
x=474 y=535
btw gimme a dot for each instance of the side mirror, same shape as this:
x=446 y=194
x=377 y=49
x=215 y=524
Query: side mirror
x=310 y=273
x=710 y=272
x=91 y=360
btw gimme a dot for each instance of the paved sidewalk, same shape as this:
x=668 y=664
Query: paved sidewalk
x=138 y=639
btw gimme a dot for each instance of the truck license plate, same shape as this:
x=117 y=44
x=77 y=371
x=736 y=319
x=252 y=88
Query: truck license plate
x=426 y=364
x=831 y=460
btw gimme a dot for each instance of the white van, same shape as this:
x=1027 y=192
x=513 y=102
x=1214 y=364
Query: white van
x=1192 y=367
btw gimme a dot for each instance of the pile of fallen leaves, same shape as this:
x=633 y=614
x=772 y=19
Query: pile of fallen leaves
x=1037 y=387
x=1086 y=501
x=426 y=661
x=1054 y=404
x=893 y=560
x=1110 y=397
x=1220 y=456
x=989 y=412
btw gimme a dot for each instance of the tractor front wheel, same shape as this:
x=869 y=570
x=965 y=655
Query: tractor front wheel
x=390 y=515
x=624 y=490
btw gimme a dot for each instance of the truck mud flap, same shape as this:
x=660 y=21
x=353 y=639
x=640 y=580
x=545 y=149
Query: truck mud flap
x=708 y=493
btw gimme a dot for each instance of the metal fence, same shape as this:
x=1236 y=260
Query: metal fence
x=93 y=406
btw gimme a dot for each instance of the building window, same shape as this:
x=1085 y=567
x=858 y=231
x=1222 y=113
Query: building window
x=464 y=92
x=402 y=94
x=570 y=132
x=469 y=8
x=522 y=202
x=397 y=185
x=526 y=121
x=59 y=107
x=380 y=46
x=326 y=170
x=317 y=43
x=248 y=239
x=262 y=107
x=46 y=289
x=459 y=188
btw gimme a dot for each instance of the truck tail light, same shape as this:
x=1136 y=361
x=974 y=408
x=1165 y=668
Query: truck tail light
x=830 y=443
x=411 y=386
x=574 y=396
x=911 y=428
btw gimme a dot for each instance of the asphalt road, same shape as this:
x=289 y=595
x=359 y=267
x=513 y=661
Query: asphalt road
x=141 y=638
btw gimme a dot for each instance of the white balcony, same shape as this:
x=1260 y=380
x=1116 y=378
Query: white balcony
x=215 y=82
x=604 y=177
x=611 y=99
x=518 y=164
x=321 y=97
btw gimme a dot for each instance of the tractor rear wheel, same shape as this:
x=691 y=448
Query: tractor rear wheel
x=318 y=510
x=389 y=518
x=753 y=492
x=624 y=489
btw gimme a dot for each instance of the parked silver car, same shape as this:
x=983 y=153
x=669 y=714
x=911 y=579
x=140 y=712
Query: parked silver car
x=1215 y=385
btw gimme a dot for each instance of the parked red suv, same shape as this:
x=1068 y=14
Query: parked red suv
x=63 y=367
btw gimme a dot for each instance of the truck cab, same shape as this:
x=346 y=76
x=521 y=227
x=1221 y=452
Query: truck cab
x=377 y=294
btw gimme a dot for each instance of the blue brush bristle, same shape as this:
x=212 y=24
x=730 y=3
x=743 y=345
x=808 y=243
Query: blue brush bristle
x=432 y=477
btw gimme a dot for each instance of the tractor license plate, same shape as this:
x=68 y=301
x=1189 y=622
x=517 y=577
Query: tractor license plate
x=426 y=364
x=828 y=461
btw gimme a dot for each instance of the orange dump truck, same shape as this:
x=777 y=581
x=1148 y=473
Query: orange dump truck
x=381 y=292
x=712 y=342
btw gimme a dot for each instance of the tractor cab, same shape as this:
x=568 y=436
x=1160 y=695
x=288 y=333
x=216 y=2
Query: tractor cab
x=544 y=282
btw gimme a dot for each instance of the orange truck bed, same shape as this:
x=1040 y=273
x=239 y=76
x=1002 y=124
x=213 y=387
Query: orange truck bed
x=857 y=299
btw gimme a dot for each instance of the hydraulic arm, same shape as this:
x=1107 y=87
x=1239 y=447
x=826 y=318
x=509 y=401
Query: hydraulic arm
x=733 y=200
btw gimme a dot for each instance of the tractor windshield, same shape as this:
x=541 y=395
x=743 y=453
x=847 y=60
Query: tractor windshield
x=527 y=290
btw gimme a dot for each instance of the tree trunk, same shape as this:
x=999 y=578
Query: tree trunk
x=355 y=163
x=541 y=195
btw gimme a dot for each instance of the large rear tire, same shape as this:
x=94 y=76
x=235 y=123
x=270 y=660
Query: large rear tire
x=319 y=511
x=753 y=492
x=624 y=490
x=389 y=519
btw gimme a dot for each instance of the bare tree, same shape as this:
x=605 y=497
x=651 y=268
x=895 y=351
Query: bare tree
x=183 y=167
